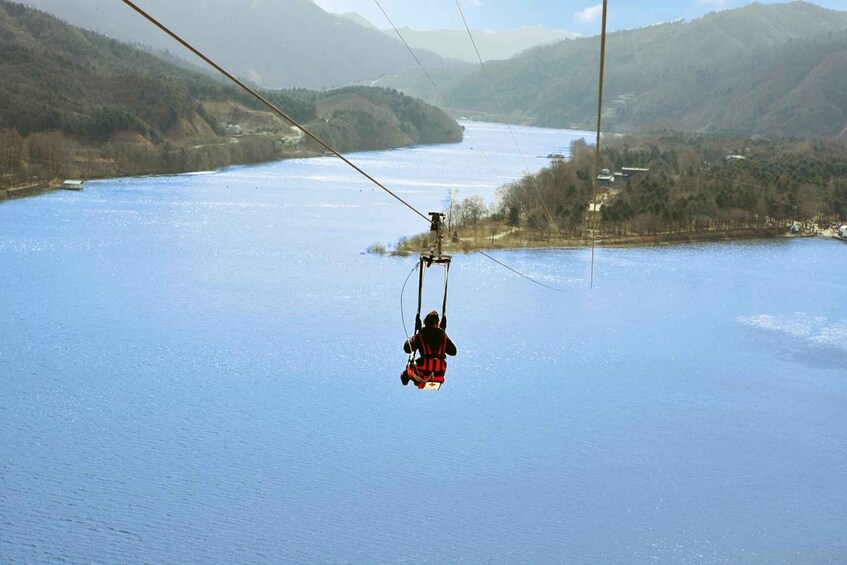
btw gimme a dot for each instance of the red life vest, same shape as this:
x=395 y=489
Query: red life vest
x=434 y=363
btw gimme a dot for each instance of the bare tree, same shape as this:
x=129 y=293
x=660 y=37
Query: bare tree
x=473 y=209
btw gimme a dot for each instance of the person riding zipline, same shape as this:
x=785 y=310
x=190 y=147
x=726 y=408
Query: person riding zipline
x=433 y=345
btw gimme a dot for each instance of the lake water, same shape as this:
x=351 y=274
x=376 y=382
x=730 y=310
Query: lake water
x=204 y=368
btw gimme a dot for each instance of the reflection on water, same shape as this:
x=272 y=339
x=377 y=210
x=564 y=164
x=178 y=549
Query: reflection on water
x=205 y=368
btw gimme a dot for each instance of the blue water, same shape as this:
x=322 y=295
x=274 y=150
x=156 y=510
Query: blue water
x=204 y=368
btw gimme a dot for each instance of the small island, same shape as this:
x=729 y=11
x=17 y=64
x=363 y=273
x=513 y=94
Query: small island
x=659 y=189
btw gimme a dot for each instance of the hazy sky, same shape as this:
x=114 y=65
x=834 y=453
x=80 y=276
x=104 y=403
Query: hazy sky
x=581 y=16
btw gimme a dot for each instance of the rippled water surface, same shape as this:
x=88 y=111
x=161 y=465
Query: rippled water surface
x=204 y=368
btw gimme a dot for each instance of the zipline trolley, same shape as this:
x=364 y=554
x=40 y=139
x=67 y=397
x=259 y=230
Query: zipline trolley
x=434 y=257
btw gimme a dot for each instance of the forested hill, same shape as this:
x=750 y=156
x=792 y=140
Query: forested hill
x=274 y=43
x=77 y=103
x=776 y=69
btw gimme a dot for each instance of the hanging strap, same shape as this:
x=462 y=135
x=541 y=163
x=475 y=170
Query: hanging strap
x=422 y=268
x=425 y=263
x=444 y=303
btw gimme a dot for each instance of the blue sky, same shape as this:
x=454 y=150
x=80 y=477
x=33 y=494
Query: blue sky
x=578 y=15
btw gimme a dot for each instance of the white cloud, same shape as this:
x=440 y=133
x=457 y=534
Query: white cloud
x=590 y=14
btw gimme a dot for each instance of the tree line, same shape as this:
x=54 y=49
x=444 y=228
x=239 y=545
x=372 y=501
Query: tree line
x=693 y=183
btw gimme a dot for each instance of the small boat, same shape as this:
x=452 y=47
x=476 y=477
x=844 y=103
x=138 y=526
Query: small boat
x=841 y=233
x=73 y=184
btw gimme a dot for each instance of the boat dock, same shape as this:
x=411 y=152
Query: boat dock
x=72 y=184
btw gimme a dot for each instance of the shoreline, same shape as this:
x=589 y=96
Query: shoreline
x=25 y=191
x=47 y=186
x=514 y=240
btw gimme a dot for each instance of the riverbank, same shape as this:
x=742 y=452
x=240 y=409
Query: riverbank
x=129 y=158
x=32 y=189
x=133 y=159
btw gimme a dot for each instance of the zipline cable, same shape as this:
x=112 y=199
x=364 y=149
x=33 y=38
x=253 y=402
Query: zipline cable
x=402 y=291
x=438 y=90
x=597 y=142
x=291 y=120
x=518 y=272
x=270 y=105
x=445 y=103
x=490 y=83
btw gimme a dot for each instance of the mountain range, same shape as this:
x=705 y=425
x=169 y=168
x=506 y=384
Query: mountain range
x=273 y=43
x=777 y=69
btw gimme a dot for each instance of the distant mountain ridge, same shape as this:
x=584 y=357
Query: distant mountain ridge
x=492 y=44
x=774 y=69
x=274 y=43
x=455 y=44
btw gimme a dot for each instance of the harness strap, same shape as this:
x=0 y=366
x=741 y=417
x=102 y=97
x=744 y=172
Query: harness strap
x=423 y=345
x=444 y=303
x=427 y=353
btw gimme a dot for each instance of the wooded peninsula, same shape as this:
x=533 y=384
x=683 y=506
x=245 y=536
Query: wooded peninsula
x=659 y=188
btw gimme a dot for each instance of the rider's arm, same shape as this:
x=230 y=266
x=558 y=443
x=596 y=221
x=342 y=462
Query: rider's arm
x=411 y=344
x=451 y=347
